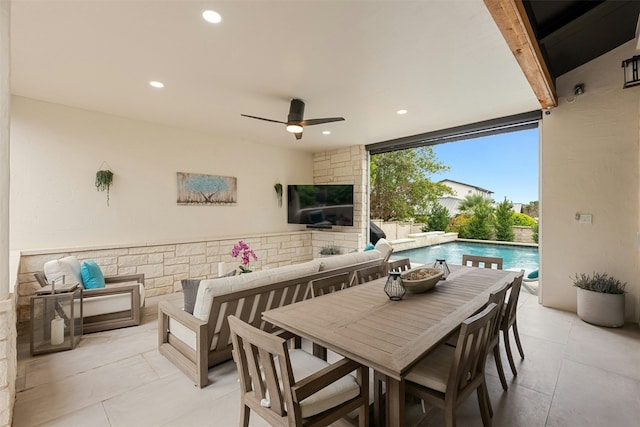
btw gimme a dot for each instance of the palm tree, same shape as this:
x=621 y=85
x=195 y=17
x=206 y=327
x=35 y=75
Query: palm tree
x=470 y=201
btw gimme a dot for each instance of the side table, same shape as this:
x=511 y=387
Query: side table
x=56 y=321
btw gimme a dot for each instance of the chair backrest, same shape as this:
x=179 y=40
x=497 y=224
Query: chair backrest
x=329 y=284
x=368 y=274
x=497 y=297
x=402 y=264
x=486 y=261
x=512 y=304
x=256 y=354
x=467 y=370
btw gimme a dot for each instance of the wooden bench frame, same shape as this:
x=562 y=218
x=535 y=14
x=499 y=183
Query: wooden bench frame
x=115 y=320
x=247 y=304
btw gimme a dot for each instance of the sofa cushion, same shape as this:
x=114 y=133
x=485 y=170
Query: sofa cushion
x=92 y=276
x=384 y=247
x=189 y=293
x=338 y=261
x=69 y=267
x=209 y=288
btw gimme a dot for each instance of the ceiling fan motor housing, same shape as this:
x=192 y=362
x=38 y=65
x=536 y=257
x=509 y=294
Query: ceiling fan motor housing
x=296 y=111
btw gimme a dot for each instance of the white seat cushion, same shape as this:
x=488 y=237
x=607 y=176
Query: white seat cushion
x=305 y=364
x=183 y=333
x=433 y=370
x=67 y=267
x=338 y=261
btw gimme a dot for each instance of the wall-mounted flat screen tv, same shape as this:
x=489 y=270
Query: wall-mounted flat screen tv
x=320 y=206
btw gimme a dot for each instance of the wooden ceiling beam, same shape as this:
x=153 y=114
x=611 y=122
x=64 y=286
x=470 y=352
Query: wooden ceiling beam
x=511 y=18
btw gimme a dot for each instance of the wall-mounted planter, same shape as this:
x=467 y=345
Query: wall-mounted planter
x=601 y=309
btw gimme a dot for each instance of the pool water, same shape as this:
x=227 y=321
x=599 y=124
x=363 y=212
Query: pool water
x=513 y=257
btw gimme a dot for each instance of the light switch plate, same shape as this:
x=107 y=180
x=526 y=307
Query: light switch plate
x=586 y=218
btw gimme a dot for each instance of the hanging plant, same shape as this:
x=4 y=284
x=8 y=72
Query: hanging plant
x=104 y=178
x=278 y=188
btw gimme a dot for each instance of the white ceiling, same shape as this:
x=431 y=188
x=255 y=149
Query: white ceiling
x=444 y=61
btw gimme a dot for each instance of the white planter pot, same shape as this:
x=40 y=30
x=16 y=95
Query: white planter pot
x=601 y=309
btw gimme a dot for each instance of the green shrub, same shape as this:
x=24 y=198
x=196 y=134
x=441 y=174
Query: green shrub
x=535 y=233
x=523 y=220
x=459 y=225
x=480 y=224
x=504 y=221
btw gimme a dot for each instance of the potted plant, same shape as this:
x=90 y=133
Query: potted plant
x=278 y=188
x=600 y=299
x=104 y=179
x=330 y=250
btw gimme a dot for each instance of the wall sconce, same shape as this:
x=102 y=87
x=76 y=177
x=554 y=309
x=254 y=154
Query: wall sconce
x=630 y=67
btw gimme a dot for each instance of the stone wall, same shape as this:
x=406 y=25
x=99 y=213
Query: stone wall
x=8 y=359
x=523 y=234
x=346 y=166
x=165 y=264
x=396 y=230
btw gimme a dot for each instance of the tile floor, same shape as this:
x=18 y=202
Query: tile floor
x=574 y=374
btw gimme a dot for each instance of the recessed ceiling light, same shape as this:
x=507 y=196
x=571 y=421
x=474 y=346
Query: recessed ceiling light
x=401 y=112
x=157 y=84
x=212 y=16
x=326 y=132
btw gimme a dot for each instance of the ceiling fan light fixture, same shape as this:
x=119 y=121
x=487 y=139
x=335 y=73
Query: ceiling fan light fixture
x=294 y=128
x=212 y=16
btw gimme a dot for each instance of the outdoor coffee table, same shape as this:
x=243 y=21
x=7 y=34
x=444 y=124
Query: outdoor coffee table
x=361 y=323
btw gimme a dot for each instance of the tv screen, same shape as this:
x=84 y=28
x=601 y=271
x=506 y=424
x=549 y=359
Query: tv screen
x=320 y=205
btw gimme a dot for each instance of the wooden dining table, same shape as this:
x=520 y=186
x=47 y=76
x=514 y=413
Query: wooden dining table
x=363 y=324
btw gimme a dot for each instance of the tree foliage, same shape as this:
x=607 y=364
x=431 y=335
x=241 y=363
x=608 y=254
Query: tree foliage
x=504 y=221
x=400 y=184
x=535 y=233
x=437 y=219
x=532 y=209
x=470 y=201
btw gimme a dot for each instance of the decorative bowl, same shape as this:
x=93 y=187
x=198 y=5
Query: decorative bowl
x=421 y=279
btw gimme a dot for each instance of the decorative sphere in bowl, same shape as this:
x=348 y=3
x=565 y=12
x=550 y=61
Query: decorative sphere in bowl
x=421 y=279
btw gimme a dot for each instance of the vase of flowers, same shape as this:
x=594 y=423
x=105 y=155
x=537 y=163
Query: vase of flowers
x=243 y=250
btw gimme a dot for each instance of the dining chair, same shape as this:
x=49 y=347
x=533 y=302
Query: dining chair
x=291 y=387
x=448 y=375
x=497 y=297
x=329 y=284
x=368 y=274
x=509 y=321
x=402 y=264
x=486 y=261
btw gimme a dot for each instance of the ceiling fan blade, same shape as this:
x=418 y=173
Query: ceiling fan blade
x=262 y=118
x=312 y=122
x=298 y=135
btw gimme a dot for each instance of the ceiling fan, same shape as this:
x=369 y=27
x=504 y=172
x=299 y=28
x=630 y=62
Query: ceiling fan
x=295 y=121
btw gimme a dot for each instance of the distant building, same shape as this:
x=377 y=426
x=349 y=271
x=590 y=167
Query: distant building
x=461 y=190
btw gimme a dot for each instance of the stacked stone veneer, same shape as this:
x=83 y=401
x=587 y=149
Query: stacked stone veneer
x=165 y=265
x=346 y=166
x=8 y=361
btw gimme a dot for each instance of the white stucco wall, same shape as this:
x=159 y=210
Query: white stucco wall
x=590 y=164
x=56 y=151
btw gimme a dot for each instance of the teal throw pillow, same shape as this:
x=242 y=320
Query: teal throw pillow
x=369 y=247
x=92 y=275
x=533 y=275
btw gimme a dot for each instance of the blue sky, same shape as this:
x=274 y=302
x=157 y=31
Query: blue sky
x=506 y=164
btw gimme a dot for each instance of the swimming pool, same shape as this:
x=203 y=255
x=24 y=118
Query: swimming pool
x=525 y=257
